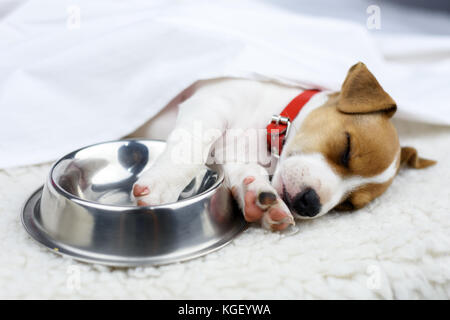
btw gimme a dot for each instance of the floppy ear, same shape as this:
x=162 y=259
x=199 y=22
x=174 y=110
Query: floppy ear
x=361 y=93
x=409 y=157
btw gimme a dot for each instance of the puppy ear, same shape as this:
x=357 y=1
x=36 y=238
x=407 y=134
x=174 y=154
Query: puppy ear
x=361 y=93
x=411 y=159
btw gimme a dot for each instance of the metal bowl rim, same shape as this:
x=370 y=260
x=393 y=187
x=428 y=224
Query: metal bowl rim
x=121 y=208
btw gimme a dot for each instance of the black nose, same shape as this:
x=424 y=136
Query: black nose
x=306 y=203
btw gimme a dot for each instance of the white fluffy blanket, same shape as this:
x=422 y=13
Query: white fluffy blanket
x=396 y=248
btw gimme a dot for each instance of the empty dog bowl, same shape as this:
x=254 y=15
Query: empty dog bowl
x=85 y=209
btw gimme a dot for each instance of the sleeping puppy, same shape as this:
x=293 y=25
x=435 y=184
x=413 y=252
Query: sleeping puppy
x=341 y=150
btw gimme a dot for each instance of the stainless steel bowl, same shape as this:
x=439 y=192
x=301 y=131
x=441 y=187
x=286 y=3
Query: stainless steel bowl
x=85 y=209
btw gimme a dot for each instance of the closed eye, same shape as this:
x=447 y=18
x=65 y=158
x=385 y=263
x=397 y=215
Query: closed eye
x=345 y=156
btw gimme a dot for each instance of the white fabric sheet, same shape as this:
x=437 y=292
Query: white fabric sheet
x=67 y=82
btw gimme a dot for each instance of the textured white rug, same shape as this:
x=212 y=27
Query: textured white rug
x=397 y=247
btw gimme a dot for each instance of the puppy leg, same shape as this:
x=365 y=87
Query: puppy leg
x=187 y=150
x=256 y=197
x=163 y=182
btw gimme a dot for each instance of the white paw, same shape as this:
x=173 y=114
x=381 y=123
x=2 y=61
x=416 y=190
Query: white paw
x=161 y=185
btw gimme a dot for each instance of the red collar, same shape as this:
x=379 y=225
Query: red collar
x=278 y=128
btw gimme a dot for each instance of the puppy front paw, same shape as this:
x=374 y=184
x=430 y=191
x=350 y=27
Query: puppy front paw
x=159 y=186
x=260 y=202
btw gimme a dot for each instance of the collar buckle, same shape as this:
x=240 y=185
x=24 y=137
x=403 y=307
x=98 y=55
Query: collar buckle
x=274 y=134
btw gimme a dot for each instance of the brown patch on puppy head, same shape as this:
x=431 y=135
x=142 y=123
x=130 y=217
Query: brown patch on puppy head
x=353 y=144
x=356 y=135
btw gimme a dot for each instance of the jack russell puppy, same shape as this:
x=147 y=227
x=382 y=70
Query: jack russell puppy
x=340 y=151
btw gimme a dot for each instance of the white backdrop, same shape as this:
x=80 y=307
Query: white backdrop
x=79 y=72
